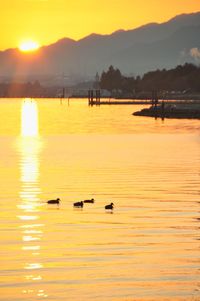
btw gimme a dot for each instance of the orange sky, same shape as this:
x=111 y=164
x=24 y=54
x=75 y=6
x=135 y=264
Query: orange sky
x=46 y=21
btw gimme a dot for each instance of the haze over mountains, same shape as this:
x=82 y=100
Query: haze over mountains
x=134 y=52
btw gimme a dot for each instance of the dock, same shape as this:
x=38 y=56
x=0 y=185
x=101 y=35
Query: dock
x=95 y=98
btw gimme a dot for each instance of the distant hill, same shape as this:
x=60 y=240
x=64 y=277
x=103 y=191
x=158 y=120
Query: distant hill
x=134 y=51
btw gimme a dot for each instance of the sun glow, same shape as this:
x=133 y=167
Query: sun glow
x=28 y=46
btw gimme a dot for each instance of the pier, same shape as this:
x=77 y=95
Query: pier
x=94 y=97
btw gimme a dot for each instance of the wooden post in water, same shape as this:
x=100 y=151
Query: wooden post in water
x=94 y=94
x=90 y=97
x=155 y=102
x=163 y=110
x=98 y=97
x=62 y=95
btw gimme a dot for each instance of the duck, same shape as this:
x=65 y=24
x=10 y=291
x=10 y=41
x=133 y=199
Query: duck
x=79 y=204
x=89 y=201
x=109 y=207
x=57 y=201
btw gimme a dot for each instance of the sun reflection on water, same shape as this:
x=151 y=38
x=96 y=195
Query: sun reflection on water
x=29 y=119
x=30 y=145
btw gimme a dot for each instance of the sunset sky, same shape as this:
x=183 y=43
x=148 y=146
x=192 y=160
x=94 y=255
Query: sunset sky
x=46 y=21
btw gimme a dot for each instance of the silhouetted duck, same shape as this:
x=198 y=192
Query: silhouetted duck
x=57 y=201
x=78 y=204
x=109 y=206
x=89 y=201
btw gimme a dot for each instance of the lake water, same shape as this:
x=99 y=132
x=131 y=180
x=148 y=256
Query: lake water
x=148 y=248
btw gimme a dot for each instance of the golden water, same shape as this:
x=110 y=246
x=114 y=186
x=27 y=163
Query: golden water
x=147 y=249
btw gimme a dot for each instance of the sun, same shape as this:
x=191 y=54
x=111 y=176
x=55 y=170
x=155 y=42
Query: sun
x=28 y=46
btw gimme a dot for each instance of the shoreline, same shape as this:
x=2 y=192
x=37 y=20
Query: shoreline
x=178 y=111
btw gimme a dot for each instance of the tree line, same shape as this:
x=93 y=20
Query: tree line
x=183 y=78
x=21 y=89
x=29 y=89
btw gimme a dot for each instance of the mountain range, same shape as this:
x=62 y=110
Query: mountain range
x=149 y=47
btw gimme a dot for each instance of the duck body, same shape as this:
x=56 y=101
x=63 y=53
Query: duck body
x=57 y=201
x=89 y=201
x=109 y=207
x=78 y=204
